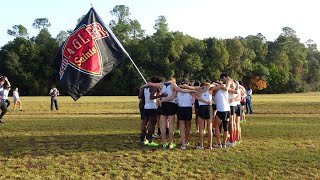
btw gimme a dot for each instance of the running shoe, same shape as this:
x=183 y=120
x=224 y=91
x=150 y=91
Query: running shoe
x=187 y=144
x=153 y=144
x=166 y=145
x=230 y=144
x=200 y=148
x=156 y=136
x=223 y=146
x=183 y=147
x=210 y=148
x=218 y=146
x=172 y=146
x=146 y=142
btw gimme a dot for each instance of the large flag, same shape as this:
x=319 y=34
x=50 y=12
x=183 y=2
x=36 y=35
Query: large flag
x=89 y=53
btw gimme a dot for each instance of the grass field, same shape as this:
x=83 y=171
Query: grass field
x=97 y=138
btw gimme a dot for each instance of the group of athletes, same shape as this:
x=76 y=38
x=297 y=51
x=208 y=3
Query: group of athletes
x=217 y=105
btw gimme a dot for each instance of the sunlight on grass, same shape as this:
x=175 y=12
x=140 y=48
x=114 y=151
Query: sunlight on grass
x=97 y=138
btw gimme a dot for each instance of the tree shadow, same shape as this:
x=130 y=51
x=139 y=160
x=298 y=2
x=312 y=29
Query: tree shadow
x=63 y=144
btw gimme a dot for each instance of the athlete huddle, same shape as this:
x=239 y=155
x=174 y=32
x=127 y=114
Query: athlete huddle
x=173 y=99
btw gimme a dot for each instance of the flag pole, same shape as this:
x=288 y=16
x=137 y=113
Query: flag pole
x=134 y=64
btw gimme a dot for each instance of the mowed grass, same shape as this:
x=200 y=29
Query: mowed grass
x=98 y=138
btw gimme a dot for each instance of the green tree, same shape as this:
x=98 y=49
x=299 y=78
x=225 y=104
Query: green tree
x=136 y=31
x=41 y=23
x=18 y=31
x=62 y=36
x=236 y=50
x=121 y=25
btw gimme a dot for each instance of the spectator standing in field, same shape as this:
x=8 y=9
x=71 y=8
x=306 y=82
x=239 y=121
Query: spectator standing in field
x=16 y=100
x=248 y=100
x=6 y=95
x=3 y=105
x=54 y=92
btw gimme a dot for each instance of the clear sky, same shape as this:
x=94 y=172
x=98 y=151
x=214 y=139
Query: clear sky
x=198 y=18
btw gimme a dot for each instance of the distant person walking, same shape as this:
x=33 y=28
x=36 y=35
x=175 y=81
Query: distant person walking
x=248 y=100
x=16 y=100
x=3 y=105
x=54 y=92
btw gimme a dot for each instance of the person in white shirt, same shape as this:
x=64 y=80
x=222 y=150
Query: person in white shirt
x=16 y=100
x=3 y=105
x=54 y=92
x=205 y=110
x=185 y=113
x=6 y=95
x=168 y=109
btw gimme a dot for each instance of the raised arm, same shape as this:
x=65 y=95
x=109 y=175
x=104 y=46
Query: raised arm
x=7 y=81
x=158 y=85
x=175 y=87
x=200 y=98
x=141 y=93
x=184 y=86
x=154 y=94
x=167 y=99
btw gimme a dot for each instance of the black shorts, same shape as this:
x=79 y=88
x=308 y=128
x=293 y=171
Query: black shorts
x=233 y=110
x=223 y=115
x=150 y=112
x=141 y=109
x=214 y=107
x=168 y=108
x=205 y=112
x=159 y=110
x=239 y=110
x=185 y=113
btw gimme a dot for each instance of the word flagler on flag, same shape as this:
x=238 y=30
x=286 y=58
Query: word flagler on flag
x=88 y=54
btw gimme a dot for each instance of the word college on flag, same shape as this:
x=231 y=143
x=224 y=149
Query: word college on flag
x=89 y=53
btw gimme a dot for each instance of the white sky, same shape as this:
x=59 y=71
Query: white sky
x=198 y=18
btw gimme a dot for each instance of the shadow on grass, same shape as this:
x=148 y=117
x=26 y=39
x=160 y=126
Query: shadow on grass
x=63 y=144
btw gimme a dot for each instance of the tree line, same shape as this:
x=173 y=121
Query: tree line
x=284 y=65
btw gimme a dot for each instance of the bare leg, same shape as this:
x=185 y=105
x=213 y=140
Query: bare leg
x=171 y=128
x=183 y=132
x=201 y=127
x=238 y=129
x=188 y=129
x=163 y=128
x=209 y=126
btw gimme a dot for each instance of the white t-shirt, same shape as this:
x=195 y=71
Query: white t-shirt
x=206 y=96
x=184 y=99
x=15 y=95
x=149 y=103
x=222 y=101
x=5 y=94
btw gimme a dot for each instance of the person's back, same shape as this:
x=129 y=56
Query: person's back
x=15 y=94
x=248 y=100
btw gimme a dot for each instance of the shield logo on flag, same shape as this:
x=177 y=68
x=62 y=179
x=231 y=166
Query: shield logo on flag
x=89 y=53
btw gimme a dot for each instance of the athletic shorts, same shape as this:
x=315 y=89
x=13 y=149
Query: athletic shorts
x=239 y=110
x=185 y=113
x=141 y=109
x=150 y=112
x=233 y=110
x=168 y=108
x=214 y=107
x=159 y=110
x=205 y=112
x=223 y=115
